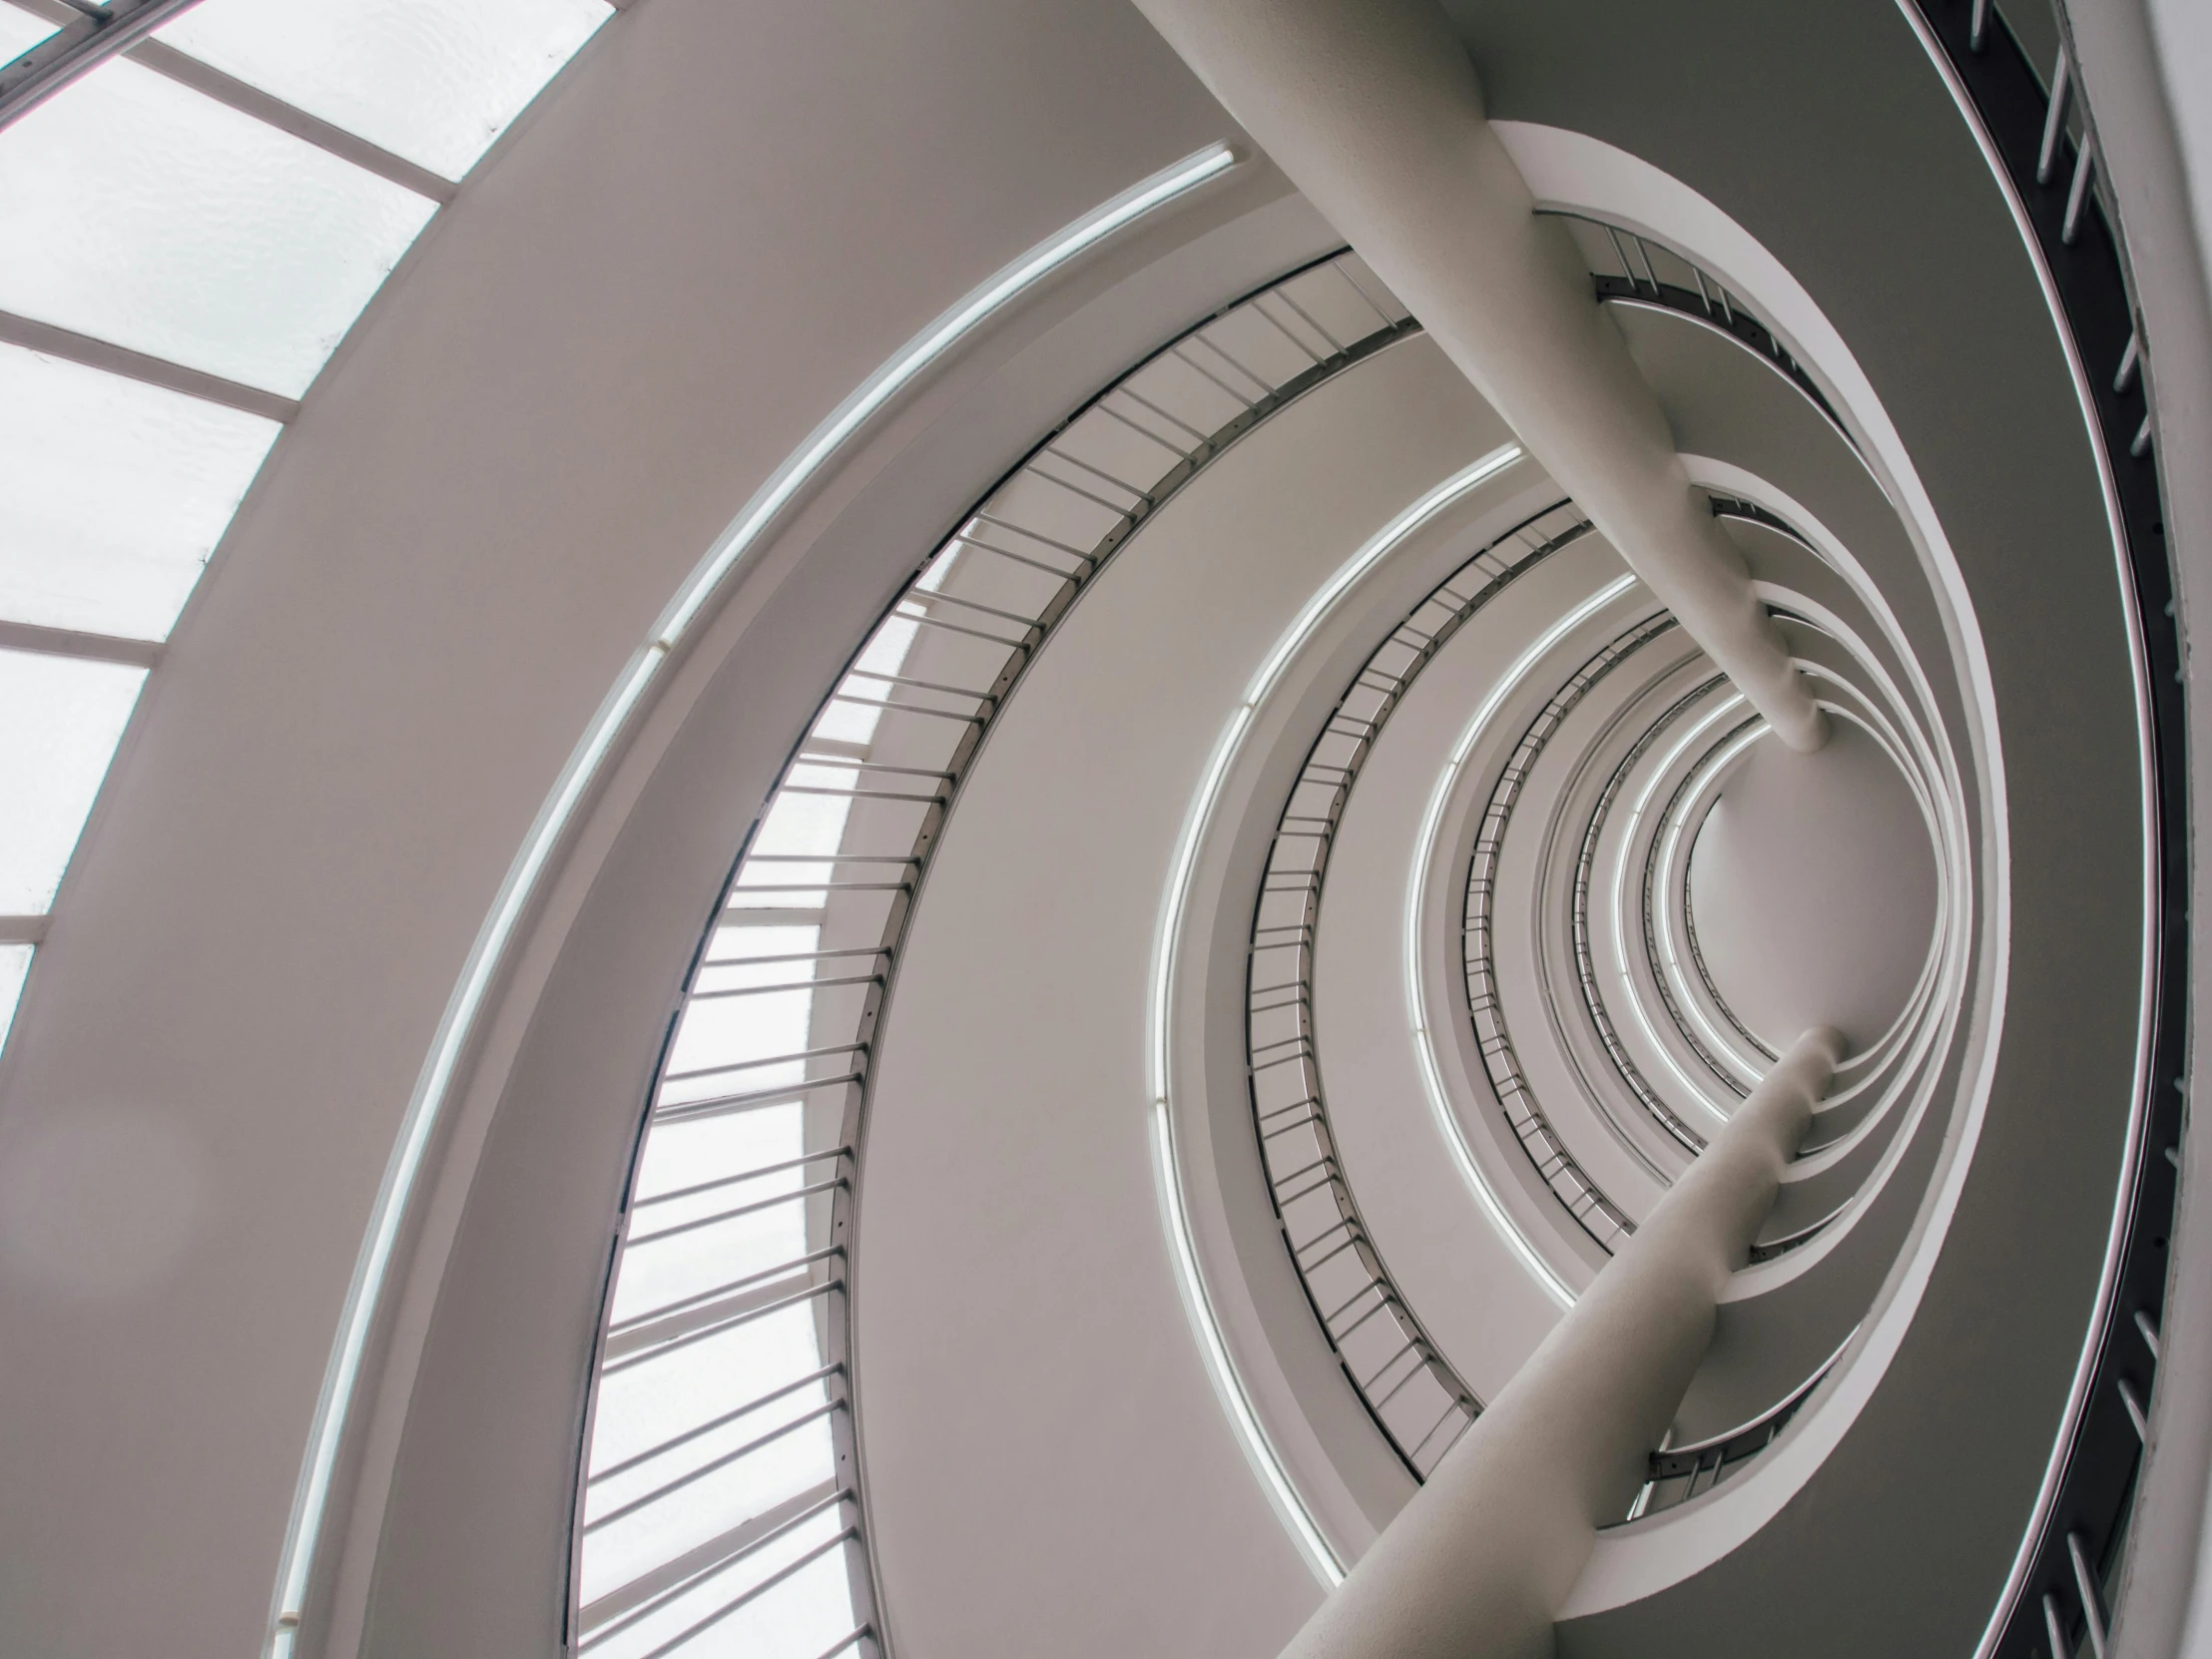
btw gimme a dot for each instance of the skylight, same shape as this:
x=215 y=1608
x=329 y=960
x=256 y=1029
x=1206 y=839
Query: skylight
x=19 y=32
x=60 y=720
x=431 y=81
x=88 y=544
x=136 y=211
x=15 y=962
x=187 y=232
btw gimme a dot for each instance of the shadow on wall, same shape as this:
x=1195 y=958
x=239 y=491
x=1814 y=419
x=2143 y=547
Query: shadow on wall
x=1813 y=889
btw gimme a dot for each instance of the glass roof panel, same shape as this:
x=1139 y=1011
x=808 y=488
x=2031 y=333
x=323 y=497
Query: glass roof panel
x=425 y=79
x=60 y=720
x=136 y=211
x=116 y=493
x=19 y=32
x=15 y=962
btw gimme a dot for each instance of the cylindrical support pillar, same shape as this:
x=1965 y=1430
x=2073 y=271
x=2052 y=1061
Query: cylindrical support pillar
x=1373 y=111
x=1480 y=1563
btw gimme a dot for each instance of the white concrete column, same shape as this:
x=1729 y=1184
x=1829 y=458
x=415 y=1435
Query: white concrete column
x=1372 y=109
x=1479 y=1564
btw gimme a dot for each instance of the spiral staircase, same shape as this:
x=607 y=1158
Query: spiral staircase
x=1079 y=1050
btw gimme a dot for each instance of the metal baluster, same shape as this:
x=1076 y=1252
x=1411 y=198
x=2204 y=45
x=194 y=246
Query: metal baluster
x=2054 y=121
x=2092 y=1614
x=2079 y=192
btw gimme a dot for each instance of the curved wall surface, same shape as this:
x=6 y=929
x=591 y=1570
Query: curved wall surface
x=1107 y=1395
x=707 y=235
x=1971 y=374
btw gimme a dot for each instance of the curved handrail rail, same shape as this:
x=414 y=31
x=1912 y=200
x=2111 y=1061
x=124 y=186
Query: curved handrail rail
x=769 y=1059
x=1335 y=1259
x=1710 y=1460
x=1575 y=1189
x=1691 y=779
x=1585 y=965
x=1643 y=281
x=1751 y=1039
x=2077 y=1537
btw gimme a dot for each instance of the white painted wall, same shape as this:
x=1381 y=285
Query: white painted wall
x=1815 y=887
x=715 y=227
x=2147 y=66
x=1049 y=1468
x=2182 y=31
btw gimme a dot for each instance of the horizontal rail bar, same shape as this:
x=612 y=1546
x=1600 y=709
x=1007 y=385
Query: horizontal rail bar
x=1201 y=442
x=751 y=858
x=853 y=794
x=933 y=597
x=923 y=619
x=793 y=1058
x=700 y=1299
x=767 y=1584
x=796 y=956
x=1034 y=470
x=716 y=1105
x=918 y=685
x=810 y=1190
x=664 y=1447
x=768 y=916
x=837 y=763
x=625 y=1606
x=1147 y=434
x=671 y=1197
x=825 y=885
x=1036 y=536
x=791 y=985
x=669 y=1329
x=716 y=1326
x=712 y=1467
x=1019 y=558
x=1098 y=472
x=912 y=708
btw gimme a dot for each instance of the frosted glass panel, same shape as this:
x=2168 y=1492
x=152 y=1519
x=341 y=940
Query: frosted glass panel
x=136 y=211
x=60 y=719
x=15 y=962
x=429 y=80
x=117 y=492
x=19 y=32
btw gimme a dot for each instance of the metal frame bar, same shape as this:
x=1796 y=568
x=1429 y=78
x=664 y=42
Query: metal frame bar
x=715 y=1292
x=167 y=61
x=656 y=1589
x=662 y=1448
x=41 y=641
x=88 y=36
x=53 y=341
